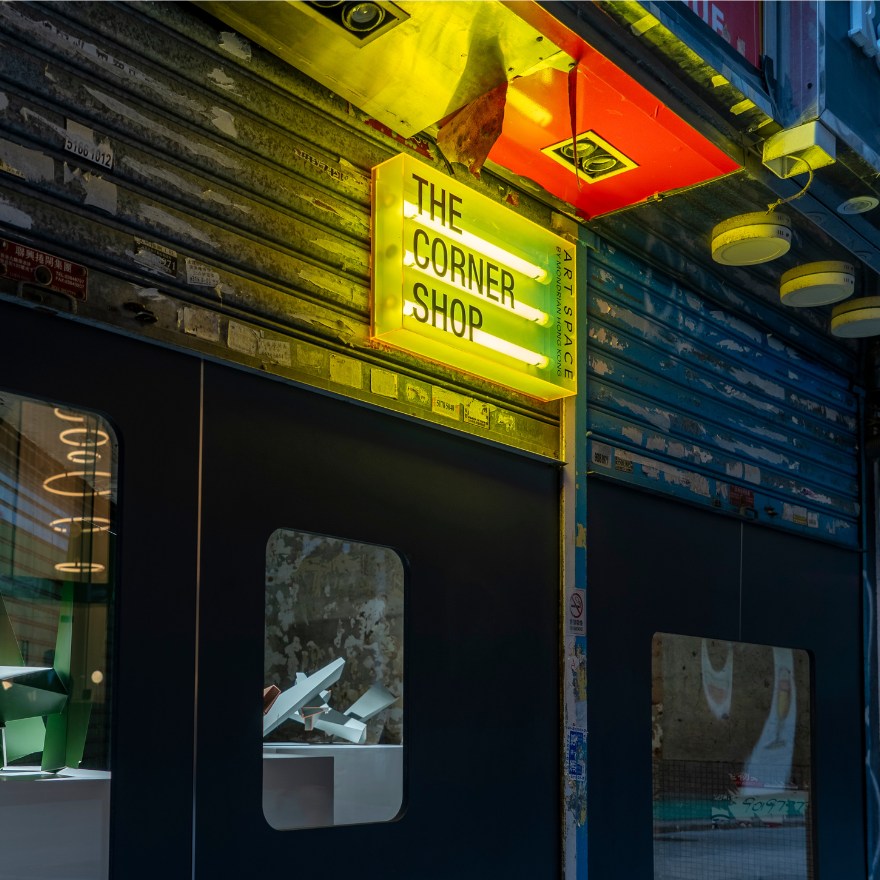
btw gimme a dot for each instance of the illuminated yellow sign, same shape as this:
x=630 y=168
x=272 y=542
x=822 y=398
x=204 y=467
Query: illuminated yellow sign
x=460 y=279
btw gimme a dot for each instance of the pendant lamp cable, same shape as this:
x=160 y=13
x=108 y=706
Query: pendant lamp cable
x=772 y=207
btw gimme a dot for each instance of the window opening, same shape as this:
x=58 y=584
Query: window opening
x=732 y=774
x=58 y=502
x=333 y=682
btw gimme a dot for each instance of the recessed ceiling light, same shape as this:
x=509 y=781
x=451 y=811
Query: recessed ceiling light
x=858 y=205
x=817 y=284
x=750 y=239
x=857 y=318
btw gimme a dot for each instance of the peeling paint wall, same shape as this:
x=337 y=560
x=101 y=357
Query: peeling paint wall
x=221 y=203
x=689 y=398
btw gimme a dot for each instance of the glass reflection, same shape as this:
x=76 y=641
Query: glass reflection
x=58 y=471
x=333 y=682
x=731 y=760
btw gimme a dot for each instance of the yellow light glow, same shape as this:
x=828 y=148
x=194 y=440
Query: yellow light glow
x=480 y=245
x=97 y=676
x=529 y=107
x=83 y=456
x=95 y=524
x=102 y=437
x=47 y=483
x=470 y=283
x=502 y=346
x=67 y=416
x=519 y=308
x=79 y=567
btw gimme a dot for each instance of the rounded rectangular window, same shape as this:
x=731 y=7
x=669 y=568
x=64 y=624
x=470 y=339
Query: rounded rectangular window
x=333 y=682
x=732 y=760
x=58 y=493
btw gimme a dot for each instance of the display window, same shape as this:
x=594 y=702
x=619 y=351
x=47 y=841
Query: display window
x=58 y=502
x=333 y=682
x=732 y=768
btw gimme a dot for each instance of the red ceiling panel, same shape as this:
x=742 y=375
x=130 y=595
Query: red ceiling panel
x=633 y=146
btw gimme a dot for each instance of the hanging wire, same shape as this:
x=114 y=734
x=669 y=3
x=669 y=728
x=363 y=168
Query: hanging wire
x=772 y=207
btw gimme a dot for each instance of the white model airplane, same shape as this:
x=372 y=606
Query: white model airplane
x=306 y=702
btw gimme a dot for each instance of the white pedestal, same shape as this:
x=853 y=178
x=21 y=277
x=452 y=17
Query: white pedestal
x=345 y=784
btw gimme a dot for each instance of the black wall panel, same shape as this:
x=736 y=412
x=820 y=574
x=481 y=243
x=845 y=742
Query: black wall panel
x=151 y=397
x=478 y=528
x=655 y=565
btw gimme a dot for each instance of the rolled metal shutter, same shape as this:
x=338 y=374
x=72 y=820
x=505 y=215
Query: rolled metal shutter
x=220 y=201
x=703 y=399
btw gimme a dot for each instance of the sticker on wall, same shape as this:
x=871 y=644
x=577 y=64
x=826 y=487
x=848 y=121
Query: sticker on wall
x=576 y=763
x=467 y=282
x=576 y=612
x=21 y=263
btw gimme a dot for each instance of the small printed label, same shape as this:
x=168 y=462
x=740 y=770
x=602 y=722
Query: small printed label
x=383 y=383
x=446 y=403
x=476 y=412
x=80 y=140
x=21 y=263
x=576 y=753
x=200 y=275
x=155 y=257
x=418 y=393
x=576 y=612
x=275 y=351
x=241 y=338
x=601 y=455
x=742 y=498
x=623 y=463
x=201 y=324
x=346 y=371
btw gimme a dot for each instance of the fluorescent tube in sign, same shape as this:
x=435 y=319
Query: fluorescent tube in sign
x=480 y=245
x=467 y=281
x=502 y=346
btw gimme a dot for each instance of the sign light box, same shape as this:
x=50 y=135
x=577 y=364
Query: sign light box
x=462 y=280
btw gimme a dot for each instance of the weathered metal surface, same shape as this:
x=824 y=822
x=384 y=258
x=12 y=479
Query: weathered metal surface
x=455 y=51
x=211 y=187
x=704 y=401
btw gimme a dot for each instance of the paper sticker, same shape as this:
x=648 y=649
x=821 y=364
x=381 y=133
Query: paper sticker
x=601 y=455
x=276 y=351
x=200 y=275
x=201 y=324
x=418 y=393
x=446 y=403
x=21 y=263
x=576 y=753
x=576 y=612
x=80 y=140
x=476 y=412
x=240 y=337
x=155 y=257
x=346 y=371
x=383 y=383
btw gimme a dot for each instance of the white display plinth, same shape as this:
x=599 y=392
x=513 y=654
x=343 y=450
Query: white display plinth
x=308 y=786
x=54 y=827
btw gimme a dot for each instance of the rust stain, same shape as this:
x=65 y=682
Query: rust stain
x=468 y=137
x=414 y=143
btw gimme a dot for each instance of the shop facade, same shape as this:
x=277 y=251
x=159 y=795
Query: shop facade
x=526 y=542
